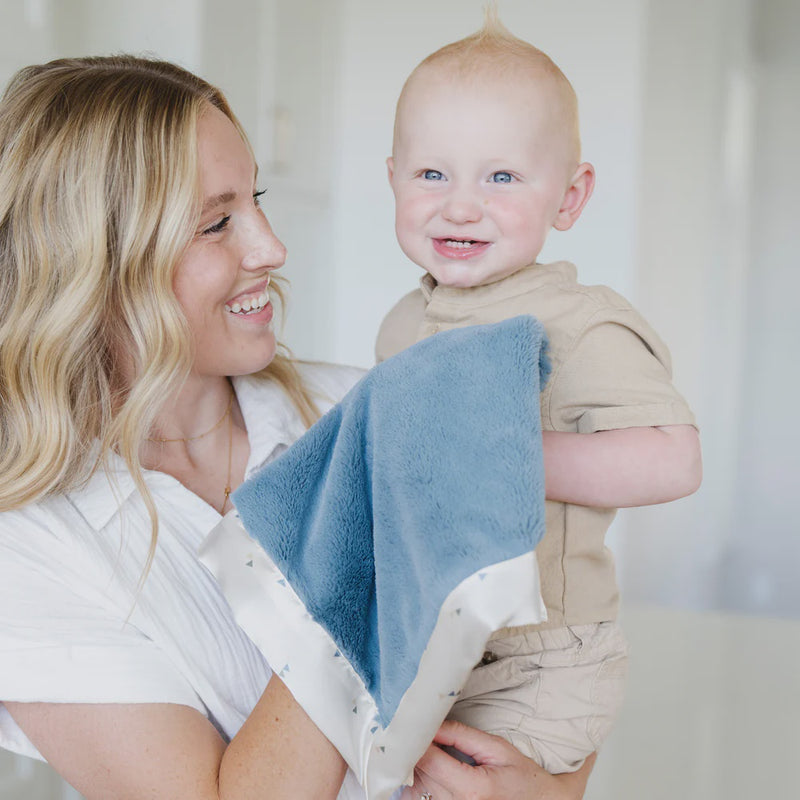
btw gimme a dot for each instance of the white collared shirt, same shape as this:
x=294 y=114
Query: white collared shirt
x=73 y=627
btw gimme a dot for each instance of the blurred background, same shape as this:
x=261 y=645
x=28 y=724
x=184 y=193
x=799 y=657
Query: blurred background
x=690 y=111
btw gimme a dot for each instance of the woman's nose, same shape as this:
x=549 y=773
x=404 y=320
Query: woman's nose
x=264 y=249
x=462 y=206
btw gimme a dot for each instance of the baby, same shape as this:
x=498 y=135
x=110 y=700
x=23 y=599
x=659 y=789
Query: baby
x=485 y=161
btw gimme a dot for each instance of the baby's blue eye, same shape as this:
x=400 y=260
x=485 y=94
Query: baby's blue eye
x=432 y=175
x=502 y=177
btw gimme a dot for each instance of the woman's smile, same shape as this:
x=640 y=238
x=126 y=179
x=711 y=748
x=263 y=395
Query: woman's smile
x=250 y=302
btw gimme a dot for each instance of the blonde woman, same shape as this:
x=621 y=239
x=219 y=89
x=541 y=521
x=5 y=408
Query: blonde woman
x=140 y=381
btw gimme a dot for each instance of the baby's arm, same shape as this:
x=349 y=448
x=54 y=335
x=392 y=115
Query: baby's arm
x=622 y=468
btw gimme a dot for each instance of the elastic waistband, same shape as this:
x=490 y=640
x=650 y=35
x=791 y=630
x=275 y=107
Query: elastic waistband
x=551 y=638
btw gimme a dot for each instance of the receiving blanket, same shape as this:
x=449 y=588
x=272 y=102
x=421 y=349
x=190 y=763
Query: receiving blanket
x=390 y=541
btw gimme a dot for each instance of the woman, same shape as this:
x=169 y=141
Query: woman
x=140 y=380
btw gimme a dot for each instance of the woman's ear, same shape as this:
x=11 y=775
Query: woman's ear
x=576 y=197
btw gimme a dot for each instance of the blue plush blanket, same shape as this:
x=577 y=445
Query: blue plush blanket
x=412 y=507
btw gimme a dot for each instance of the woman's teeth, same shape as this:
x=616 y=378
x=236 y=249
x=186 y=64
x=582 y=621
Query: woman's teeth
x=250 y=306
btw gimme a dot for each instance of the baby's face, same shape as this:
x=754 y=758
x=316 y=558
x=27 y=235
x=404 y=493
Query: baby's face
x=479 y=174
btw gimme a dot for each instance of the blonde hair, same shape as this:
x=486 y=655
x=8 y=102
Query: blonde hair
x=494 y=52
x=99 y=197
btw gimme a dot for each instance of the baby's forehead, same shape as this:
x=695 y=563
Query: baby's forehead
x=527 y=95
x=529 y=80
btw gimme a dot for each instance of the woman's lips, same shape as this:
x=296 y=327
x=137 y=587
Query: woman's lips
x=460 y=248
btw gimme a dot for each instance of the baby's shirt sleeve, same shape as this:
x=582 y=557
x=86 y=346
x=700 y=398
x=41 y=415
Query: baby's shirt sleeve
x=617 y=373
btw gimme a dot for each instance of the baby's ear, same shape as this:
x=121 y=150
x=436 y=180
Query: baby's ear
x=576 y=197
x=390 y=168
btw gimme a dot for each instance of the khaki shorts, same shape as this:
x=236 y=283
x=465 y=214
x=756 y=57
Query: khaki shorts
x=553 y=694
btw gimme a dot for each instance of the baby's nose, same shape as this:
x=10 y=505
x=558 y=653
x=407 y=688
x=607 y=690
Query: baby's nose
x=462 y=206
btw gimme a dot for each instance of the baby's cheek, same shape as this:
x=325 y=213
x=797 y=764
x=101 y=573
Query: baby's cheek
x=521 y=217
x=414 y=212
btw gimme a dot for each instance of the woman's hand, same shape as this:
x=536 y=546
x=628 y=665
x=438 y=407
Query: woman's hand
x=501 y=771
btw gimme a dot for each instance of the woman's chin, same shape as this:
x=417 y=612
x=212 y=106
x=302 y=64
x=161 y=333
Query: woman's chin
x=238 y=359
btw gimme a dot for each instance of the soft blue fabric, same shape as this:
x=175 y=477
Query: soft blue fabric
x=427 y=471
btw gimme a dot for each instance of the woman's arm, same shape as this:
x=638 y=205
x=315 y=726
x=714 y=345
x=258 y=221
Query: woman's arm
x=164 y=751
x=501 y=771
x=622 y=468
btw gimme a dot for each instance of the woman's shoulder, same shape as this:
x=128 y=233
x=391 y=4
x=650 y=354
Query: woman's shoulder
x=43 y=520
x=328 y=380
x=48 y=542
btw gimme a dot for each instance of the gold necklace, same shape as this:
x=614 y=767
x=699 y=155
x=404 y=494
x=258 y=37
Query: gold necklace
x=227 y=490
x=230 y=461
x=202 y=435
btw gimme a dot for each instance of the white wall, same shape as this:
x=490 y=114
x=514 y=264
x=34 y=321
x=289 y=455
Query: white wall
x=25 y=36
x=718 y=241
x=761 y=561
x=98 y=27
x=691 y=284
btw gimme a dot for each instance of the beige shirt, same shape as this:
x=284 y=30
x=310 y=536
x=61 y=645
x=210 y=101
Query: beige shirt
x=609 y=370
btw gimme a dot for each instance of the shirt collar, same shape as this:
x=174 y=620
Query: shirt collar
x=106 y=492
x=269 y=415
x=512 y=285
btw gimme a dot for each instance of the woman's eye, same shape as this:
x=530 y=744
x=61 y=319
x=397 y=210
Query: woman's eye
x=502 y=177
x=432 y=175
x=217 y=227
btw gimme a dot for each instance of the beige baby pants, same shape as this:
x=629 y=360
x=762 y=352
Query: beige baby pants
x=553 y=694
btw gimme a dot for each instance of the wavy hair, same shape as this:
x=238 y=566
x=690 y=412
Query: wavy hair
x=99 y=197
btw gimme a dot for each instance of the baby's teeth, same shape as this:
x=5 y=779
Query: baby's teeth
x=236 y=308
x=246 y=305
x=262 y=299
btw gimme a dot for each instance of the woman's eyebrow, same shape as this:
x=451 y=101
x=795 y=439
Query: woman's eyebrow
x=218 y=200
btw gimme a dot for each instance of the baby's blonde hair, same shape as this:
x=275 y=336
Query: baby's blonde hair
x=494 y=53
x=99 y=197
